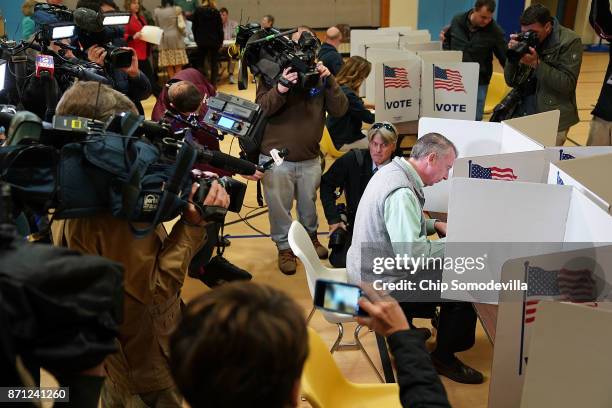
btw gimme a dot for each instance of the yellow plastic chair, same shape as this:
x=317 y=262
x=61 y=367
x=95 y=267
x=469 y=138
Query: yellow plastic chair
x=327 y=146
x=324 y=386
x=497 y=91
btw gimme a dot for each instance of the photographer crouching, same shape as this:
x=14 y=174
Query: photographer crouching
x=155 y=267
x=543 y=66
x=350 y=174
x=185 y=96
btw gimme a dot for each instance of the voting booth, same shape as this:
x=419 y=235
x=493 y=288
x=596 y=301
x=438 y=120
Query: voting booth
x=361 y=37
x=449 y=90
x=389 y=57
x=472 y=139
x=500 y=221
x=523 y=327
x=590 y=175
x=447 y=87
x=566 y=367
x=535 y=166
x=397 y=100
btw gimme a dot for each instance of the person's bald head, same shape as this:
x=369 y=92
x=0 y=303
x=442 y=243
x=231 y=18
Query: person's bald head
x=185 y=97
x=333 y=36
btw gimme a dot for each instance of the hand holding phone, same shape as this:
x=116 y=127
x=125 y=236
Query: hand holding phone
x=338 y=297
x=385 y=314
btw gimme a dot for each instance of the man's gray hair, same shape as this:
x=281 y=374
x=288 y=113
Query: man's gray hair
x=432 y=143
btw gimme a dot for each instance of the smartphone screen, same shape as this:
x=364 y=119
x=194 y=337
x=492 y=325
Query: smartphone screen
x=338 y=297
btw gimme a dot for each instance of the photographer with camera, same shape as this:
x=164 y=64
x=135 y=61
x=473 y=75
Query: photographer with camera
x=295 y=113
x=155 y=267
x=543 y=64
x=186 y=95
x=128 y=78
x=350 y=174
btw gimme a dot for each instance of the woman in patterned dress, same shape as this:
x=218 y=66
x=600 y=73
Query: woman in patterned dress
x=172 y=53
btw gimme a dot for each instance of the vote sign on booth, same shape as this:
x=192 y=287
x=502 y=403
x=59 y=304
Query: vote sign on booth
x=449 y=90
x=398 y=86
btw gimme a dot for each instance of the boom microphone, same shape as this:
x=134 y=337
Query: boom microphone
x=227 y=162
x=88 y=20
x=84 y=74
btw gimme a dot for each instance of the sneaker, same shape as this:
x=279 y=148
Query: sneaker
x=456 y=370
x=286 y=261
x=219 y=271
x=232 y=80
x=322 y=252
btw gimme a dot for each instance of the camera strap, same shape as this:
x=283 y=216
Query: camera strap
x=184 y=163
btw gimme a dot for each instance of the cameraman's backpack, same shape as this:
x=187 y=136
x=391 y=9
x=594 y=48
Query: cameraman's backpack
x=123 y=176
x=110 y=173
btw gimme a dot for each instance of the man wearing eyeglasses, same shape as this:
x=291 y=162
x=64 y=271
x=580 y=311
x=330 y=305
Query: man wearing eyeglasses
x=350 y=175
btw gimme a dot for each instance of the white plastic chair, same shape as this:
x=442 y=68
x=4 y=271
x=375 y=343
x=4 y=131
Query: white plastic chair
x=302 y=247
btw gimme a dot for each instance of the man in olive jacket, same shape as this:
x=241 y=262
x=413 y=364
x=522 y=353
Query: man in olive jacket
x=478 y=36
x=554 y=65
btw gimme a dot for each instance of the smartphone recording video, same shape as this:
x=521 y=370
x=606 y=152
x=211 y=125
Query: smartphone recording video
x=338 y=297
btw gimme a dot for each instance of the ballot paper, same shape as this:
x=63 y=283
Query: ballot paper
x=151 y=34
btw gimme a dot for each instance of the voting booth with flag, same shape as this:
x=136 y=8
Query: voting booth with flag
x=449 y=90
x=397 y=90
x=522 y=219
x=580 y=276
x=473 y=139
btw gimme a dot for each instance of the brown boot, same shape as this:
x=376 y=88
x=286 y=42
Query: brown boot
x=321 y=250
x=286 y=261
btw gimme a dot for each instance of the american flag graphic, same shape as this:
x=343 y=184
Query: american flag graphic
x=491 y=173
x=566 y=285
x=565 y=156
x=448 y=79
x=559 y=180
x=396 y=77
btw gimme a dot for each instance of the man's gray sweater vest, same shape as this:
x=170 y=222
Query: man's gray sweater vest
x=370 y=236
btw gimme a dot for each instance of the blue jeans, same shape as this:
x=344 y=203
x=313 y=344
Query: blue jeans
x=281 y=185
x=480 y=100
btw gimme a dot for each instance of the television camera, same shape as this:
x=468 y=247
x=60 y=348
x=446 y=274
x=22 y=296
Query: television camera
x=267 y=52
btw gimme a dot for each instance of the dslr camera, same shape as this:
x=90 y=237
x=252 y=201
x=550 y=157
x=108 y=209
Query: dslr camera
x=525 y=40
x=267 y=52
x=338 y=238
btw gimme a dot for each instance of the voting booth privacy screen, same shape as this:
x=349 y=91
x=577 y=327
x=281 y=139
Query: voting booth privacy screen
x=529 y=336
x=471 y=139
x=447 y=87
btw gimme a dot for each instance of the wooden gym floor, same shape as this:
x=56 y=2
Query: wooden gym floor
x=257 y=254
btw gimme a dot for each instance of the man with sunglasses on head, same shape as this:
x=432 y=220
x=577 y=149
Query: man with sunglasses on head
x=350 y=175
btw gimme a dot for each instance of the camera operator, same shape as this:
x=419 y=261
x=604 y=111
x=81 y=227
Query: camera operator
x=155 y=268
x=600 y=133
x=547 y=62
x=130 y=81
x=351 y=174
x=185 y=98
x=295 y=120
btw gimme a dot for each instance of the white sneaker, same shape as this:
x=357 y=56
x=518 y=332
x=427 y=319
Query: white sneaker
x=231 y=79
